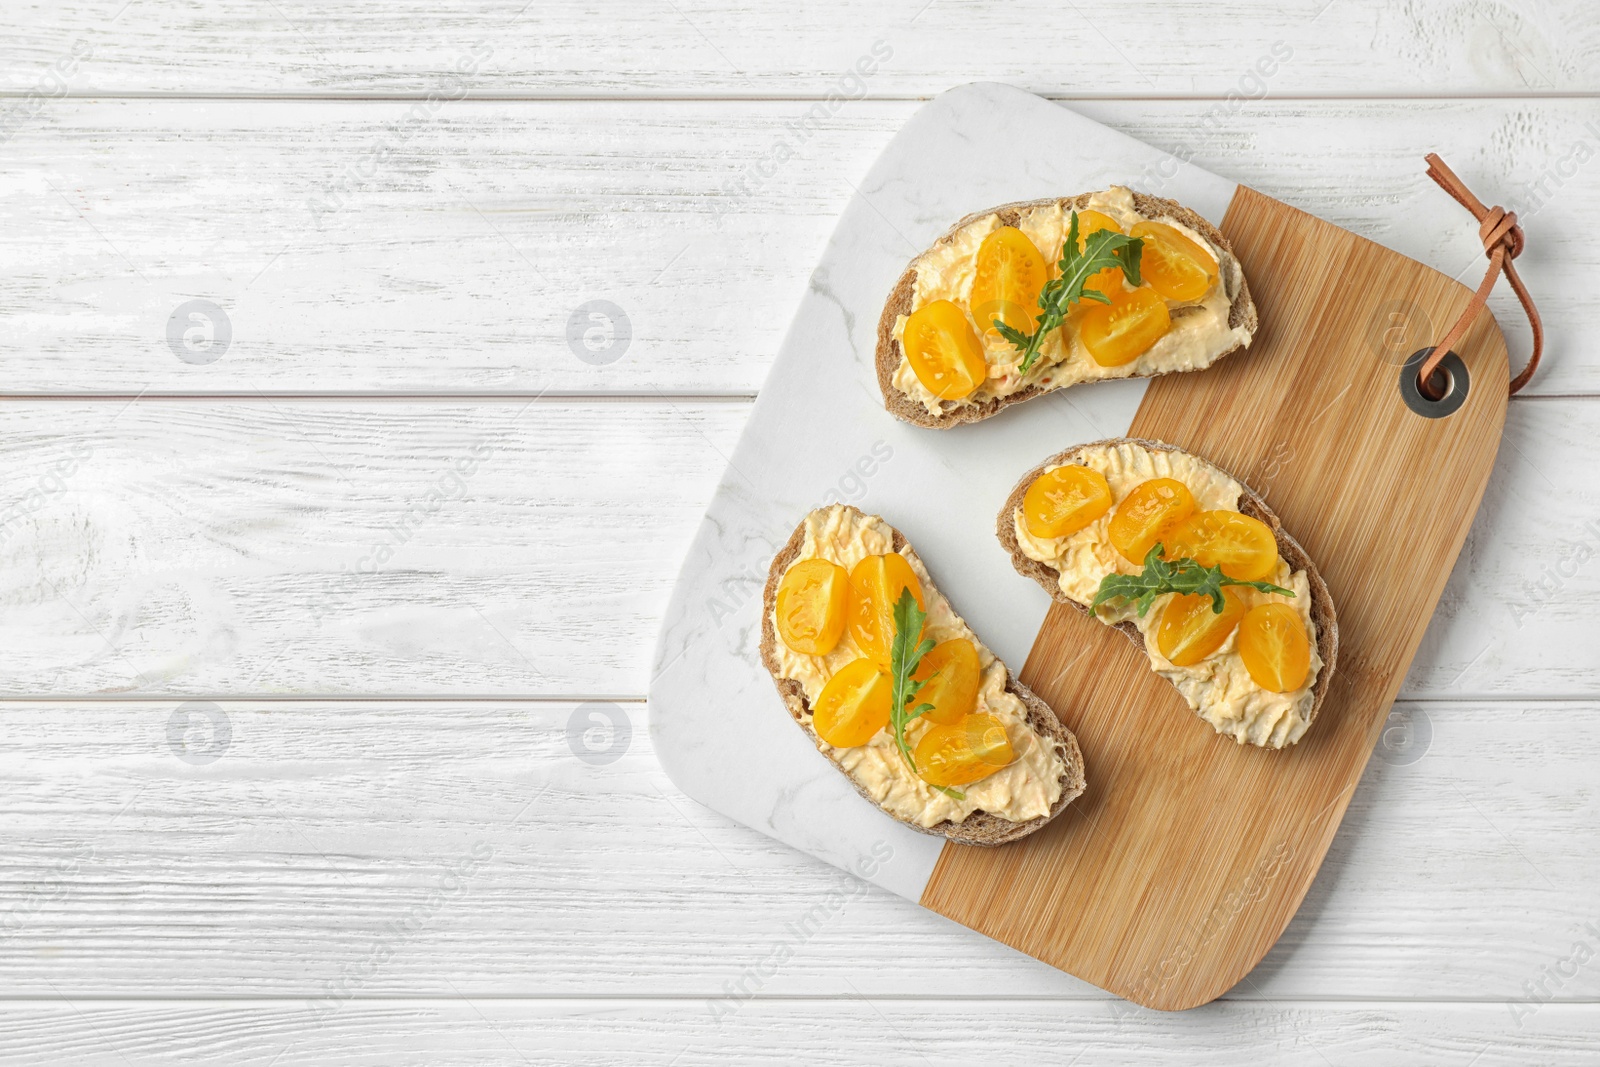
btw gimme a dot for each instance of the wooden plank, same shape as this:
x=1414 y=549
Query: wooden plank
x=699 y=47
x=314 y=856
x=349 y=547
x=355 y=247
x=845 y=1030
x=177 y=531
x=368 y=247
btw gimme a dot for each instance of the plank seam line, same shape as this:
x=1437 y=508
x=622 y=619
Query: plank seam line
x=1525 y=701
x=364 y=698
x=411 y=96
x=792 y=998
x=547 y=396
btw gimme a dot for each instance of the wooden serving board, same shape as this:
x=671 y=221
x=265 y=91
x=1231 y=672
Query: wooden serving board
x=1185 y=859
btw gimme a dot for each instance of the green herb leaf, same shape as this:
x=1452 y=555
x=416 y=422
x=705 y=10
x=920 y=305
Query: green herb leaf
x=1101 y=249
x=905 y=654
x=1181 y=575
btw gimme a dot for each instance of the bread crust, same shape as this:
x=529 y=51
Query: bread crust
x=979 y=828
x=1241 y=310
x=1323 y=616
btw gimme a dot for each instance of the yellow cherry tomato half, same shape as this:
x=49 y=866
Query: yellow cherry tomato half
x=1172 y=264
x=810 y=608
x=1147 y=515
x=1108 y=281
x=854 y=705
x=963 y=752
x=1006 y=280
x=1244 y=547
x=1061 y=502
x=952 y=673
x=1273 y=644
x=1190 y=628
x=944 y=350
x=1123 y=330
x=875 y=586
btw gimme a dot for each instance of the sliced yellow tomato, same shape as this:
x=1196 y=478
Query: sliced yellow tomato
x=1108 y=281
x=1190 y=628
x=1274 y=646
x=1061 y=502
x=811 y=601
x=1244 y=547
x=1172 y=264
x=854 y=705
x=944 y=351
x=1006 y=280
x=963 y=752
x=952 y=673
x=1147 y=515
x=1123 y=330
x=875 y=585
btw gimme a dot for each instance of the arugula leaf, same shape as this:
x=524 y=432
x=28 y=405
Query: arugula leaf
x=1101 y=249
x=1181 y=575
x=905 y=654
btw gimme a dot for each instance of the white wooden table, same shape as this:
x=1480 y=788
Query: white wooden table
x=326 y=607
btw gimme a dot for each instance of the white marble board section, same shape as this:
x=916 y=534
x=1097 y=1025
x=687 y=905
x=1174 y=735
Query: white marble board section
x=819 y=433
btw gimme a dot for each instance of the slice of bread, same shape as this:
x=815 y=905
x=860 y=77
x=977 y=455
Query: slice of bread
x=1323 y=616
x=1241 y=309
x=980 y=827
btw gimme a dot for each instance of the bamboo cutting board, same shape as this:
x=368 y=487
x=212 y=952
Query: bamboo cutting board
x=1205 y=847
x=1185 y=859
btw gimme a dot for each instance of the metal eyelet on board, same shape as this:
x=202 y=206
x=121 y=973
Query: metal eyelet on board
x=1457 y=382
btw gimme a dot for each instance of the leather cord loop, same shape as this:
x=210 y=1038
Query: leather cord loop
x=1502 y=243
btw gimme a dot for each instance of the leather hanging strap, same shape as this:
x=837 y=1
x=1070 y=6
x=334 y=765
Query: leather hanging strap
x=1502 y=243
